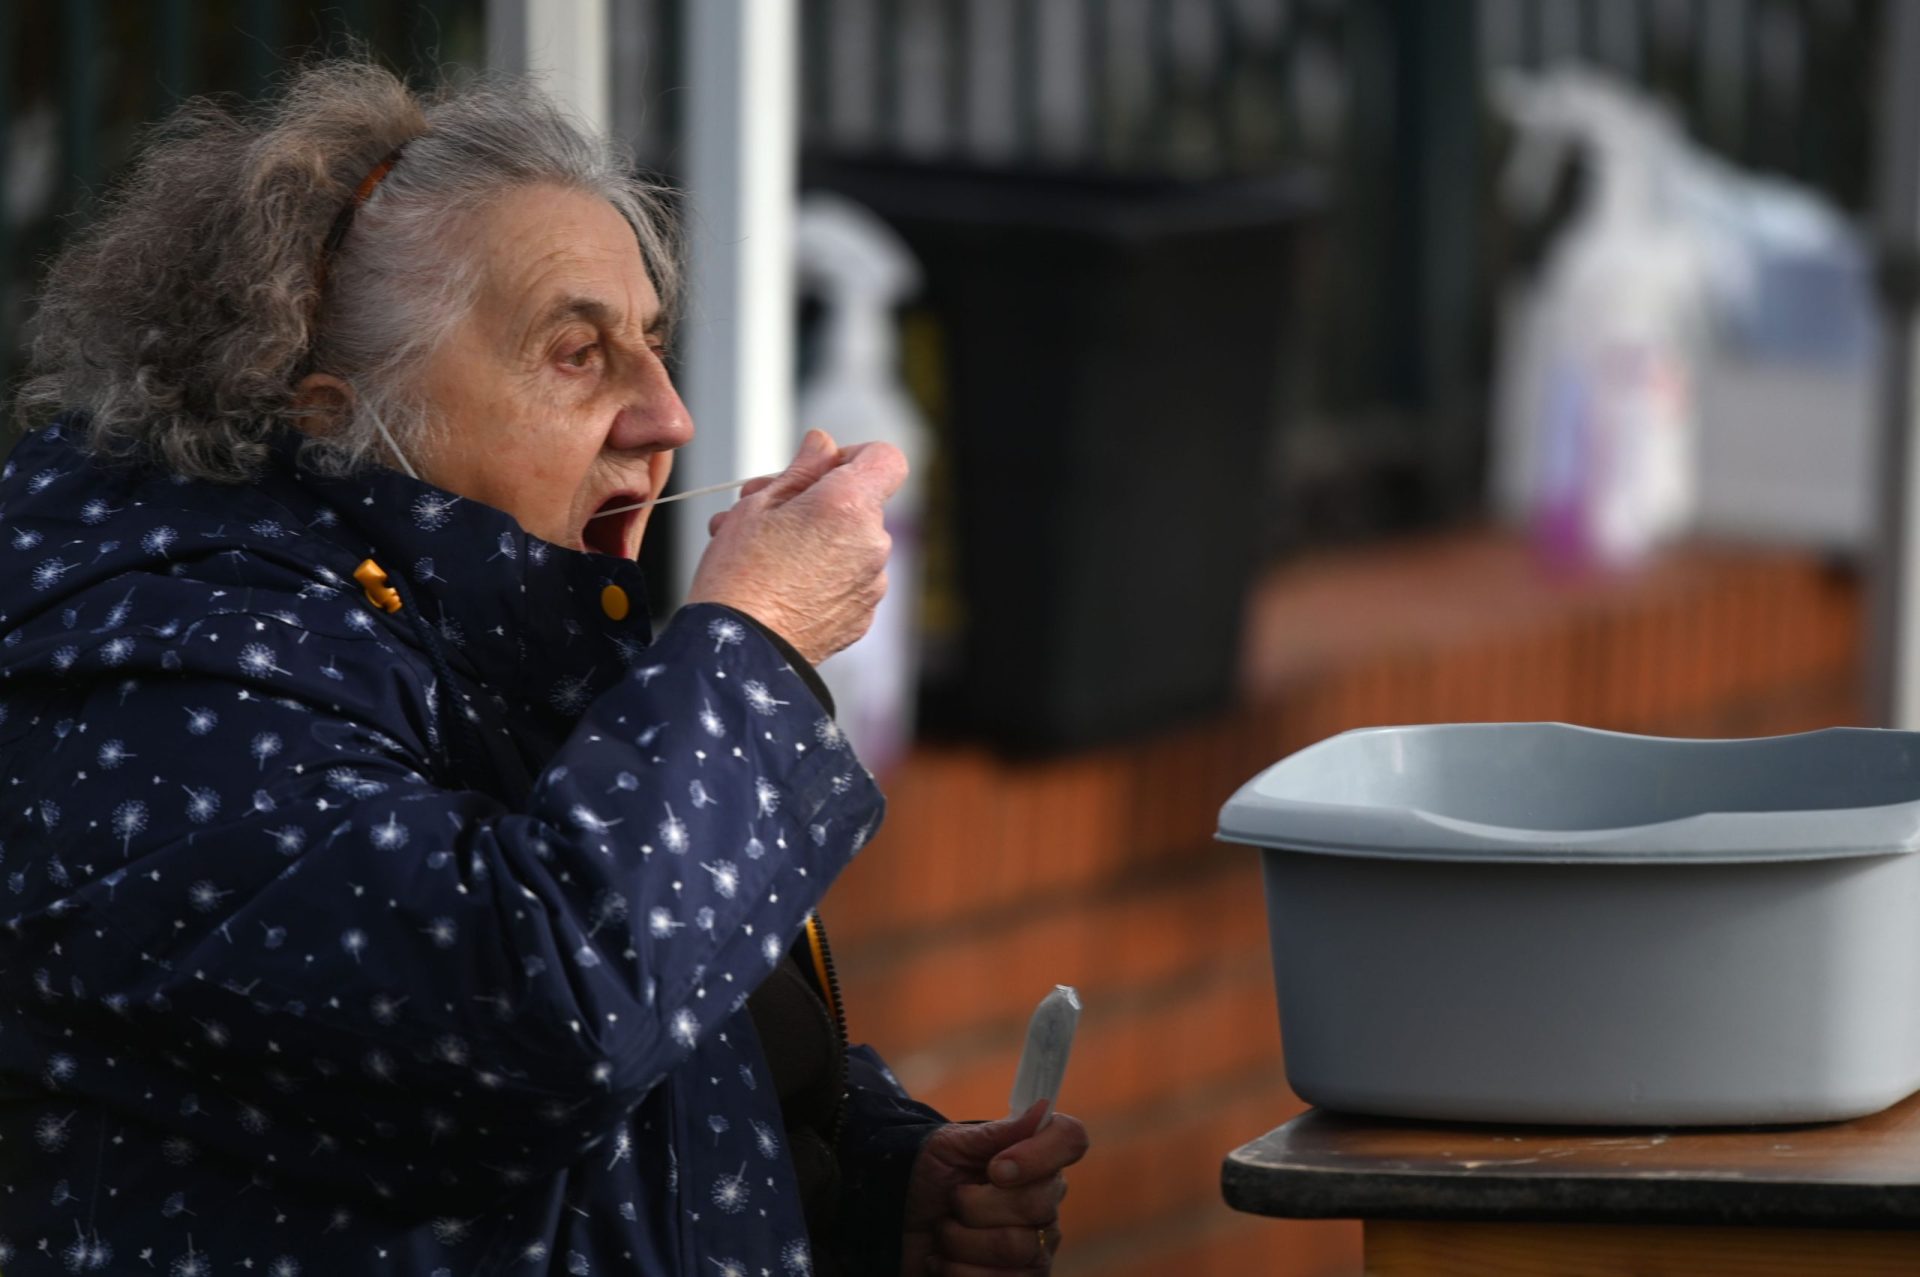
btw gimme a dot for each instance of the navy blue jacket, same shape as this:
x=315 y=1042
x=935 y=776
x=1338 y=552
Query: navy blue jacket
x=340 y=940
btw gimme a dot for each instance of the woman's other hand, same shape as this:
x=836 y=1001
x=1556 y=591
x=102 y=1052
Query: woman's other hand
x=805 y=552
x=985 y=1197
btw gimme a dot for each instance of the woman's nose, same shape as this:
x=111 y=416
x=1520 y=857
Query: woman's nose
x=652 y=418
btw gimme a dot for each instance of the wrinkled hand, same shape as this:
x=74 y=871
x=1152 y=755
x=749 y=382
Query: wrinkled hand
x=805 y=552
x=985 y=1198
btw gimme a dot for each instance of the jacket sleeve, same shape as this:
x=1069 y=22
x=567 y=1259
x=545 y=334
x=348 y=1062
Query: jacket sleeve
x=384 y=983
x=879 y=1144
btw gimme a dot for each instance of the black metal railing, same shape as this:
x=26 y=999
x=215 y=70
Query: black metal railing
x=1383 y=99
x=79 y=78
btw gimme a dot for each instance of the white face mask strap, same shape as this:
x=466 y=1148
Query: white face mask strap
x=393 y=446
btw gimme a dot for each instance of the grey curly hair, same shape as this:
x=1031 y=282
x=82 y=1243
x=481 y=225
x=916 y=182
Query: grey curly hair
x=182 y=317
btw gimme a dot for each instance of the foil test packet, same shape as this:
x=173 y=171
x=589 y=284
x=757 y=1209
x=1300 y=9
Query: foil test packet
x=1043 y=1061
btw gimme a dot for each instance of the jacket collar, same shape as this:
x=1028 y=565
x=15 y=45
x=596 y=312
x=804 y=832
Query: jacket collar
x=530 y=618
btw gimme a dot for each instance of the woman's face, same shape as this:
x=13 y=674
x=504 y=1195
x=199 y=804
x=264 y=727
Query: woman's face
x=550 y=398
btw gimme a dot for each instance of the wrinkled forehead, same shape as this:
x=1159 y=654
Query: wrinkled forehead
x=547 y=256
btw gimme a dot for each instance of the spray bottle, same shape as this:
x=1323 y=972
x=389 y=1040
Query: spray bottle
x=862 y=271
x=1596 y=420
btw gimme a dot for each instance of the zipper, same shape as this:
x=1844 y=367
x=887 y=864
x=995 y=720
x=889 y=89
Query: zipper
x=829 y=981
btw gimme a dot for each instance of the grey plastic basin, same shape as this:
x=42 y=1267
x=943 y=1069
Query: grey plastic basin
x=1532 y=922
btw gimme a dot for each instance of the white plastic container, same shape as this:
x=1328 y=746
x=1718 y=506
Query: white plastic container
x=862 y=270
x=1596 y=422
x=1540 y=923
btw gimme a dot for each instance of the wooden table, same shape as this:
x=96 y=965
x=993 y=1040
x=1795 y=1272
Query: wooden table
x=1466 y=1201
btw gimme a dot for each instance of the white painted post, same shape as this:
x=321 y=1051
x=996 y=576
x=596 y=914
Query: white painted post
x=736 y=341
x=563 y=42
x=1895 y=655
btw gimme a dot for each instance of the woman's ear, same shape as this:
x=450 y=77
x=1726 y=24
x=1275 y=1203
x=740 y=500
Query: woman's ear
x=320 y=402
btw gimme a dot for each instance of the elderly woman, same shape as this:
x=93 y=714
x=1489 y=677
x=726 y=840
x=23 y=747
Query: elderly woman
x=383 y=896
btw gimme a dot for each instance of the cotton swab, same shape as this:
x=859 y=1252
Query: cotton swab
x=681 y=496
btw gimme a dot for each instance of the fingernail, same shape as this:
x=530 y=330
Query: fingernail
x=1004 y=1171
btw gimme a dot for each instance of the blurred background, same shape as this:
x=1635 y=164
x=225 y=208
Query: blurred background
x=1271 y=367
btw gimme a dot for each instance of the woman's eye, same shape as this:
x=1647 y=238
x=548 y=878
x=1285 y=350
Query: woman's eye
x=584 y=356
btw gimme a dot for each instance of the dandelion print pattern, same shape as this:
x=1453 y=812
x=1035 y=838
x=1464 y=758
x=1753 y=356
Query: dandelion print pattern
x=454 y=904
x=202 y=804
x=258 y=659
x=760 y=700
x=129 y=819
x=431 y=510
x=726 y=878
x=48 y=572
x=673 y=834
x=265 y=746
x=730 y=1192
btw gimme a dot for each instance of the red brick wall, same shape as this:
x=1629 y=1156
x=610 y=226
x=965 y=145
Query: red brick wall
x=993 y=881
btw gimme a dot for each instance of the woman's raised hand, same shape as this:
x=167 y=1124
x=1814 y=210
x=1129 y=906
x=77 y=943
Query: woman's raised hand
x=805 y=552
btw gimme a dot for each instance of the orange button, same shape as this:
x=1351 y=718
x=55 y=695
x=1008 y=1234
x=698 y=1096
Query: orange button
x=373 y=579
x=613 y=601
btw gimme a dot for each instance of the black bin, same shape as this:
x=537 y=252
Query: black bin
x=1110 y=349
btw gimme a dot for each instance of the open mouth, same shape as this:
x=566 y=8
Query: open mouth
x=615 y=533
